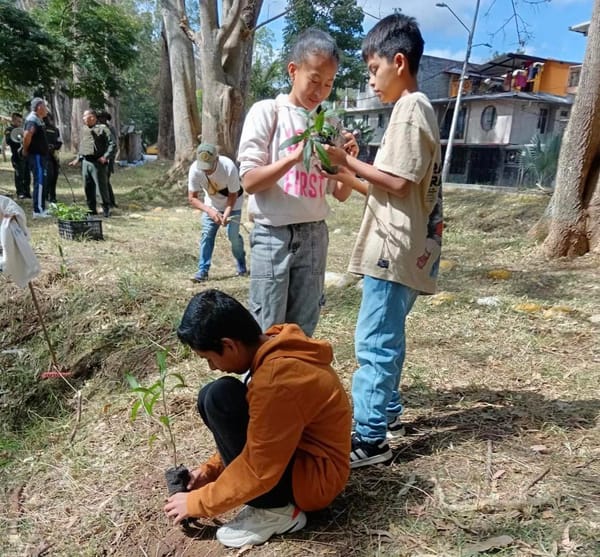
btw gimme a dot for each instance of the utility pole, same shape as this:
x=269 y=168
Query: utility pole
x=463 y=74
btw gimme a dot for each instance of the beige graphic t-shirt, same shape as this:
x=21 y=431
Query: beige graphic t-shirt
x=400 y=239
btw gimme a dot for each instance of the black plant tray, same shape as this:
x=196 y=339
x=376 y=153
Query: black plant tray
x=90 y=229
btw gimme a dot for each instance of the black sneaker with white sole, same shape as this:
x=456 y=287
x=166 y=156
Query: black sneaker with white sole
x=365 y=454
x=395 y=429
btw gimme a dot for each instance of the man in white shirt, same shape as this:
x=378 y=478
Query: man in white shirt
x=214 y=188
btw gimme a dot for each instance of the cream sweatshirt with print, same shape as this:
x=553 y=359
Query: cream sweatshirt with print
x=299 y=195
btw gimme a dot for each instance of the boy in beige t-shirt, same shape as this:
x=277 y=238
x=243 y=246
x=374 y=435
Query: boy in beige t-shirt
x=399 y=242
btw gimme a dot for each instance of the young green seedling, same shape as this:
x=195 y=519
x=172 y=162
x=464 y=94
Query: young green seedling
x=152 y=401
x=319 y=130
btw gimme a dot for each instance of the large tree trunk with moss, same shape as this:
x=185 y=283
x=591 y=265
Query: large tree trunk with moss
x=166 y=133
x=225 y=60
x=186 y=121
x=574 y=227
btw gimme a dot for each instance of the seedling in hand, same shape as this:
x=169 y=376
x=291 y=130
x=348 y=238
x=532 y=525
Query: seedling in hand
x=319 y=131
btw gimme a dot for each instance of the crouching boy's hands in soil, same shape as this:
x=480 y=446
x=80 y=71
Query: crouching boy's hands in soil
x=176 y=507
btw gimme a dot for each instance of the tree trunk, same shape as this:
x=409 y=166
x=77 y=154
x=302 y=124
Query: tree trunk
x=575 y=222
x=62 y=114
x=186 y=122
x=225 y=60
x=78 y=106
x=166 y=133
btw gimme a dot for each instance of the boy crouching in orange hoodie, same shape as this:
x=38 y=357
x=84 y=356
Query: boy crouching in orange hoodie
x=282 y=434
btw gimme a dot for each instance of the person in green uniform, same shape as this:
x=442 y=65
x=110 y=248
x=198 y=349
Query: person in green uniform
x=96 y=146
x=104 y=117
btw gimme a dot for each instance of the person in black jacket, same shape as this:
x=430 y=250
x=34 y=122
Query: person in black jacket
x=19 y=163
x=54 y=144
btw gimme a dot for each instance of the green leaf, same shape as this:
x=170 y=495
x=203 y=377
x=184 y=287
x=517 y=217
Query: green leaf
x=322 y=154
x=141 y=390
x=149 y=401
x=161 y=360
x=135 y=408
x=293 y=140
x=307 y=153
x=181 y=380
x=133 y=382
x=324 y=158
x=152 y=400
x=319 y=121
x=151 y=439
x=165 y=421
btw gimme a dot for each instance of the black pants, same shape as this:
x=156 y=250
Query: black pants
x=223 y=408
x=111 y=193
x=53 y=168
x=22 y=176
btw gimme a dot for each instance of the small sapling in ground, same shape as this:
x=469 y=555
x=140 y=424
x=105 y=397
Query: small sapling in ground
x=152 y=401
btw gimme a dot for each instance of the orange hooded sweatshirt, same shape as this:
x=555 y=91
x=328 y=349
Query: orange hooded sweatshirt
x=298 y=406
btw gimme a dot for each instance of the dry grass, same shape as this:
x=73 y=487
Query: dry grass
x=502 y=400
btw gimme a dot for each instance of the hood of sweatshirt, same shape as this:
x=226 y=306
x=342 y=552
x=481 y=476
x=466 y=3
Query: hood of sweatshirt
x=290 y=339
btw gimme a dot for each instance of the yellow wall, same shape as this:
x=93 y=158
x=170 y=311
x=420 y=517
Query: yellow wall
x=454 y=81
x=553 y=79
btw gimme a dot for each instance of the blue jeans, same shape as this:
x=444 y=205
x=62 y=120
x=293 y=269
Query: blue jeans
x=207 y=242
x=38 y=165
x=287 y=274
x=380 y=348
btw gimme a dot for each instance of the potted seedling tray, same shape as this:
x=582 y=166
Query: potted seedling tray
x=75 y=224
x=89 y=229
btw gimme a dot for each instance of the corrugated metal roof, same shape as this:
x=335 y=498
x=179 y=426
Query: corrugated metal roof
x=518 y=95
x=513 y=61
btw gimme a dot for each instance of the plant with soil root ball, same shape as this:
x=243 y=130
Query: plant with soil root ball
x=152 y=401
x=319 y=131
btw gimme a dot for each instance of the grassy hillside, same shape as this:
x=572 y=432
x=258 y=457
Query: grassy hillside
x=501 y=384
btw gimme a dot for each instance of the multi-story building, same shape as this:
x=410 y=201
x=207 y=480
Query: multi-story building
x=505 y=102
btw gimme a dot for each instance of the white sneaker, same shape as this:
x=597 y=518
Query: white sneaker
x=395 y=429
x=254 y=526
x=42 y=215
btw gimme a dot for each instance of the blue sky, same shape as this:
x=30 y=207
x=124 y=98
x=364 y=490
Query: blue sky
x=543 y=26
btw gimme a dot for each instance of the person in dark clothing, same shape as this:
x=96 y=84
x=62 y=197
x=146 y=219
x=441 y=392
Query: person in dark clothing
x=105 y=118
x=19 y=163
x=96 y=146
x=35 y=148
x=54 y=144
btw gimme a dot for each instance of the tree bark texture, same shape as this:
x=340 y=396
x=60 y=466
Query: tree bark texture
x=166 y=132
x=78 y=106
x=575 y=222
x=225 y=49
x=61 y=105
x=186 y=121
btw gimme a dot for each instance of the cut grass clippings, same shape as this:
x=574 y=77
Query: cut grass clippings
x=501 y=388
